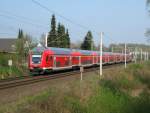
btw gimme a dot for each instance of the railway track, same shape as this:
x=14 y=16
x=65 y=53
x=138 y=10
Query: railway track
x=25 y=80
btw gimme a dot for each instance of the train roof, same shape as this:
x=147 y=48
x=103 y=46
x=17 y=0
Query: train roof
x=85 y=52
x=61 y=51
x=38 y=50
x=66 y=51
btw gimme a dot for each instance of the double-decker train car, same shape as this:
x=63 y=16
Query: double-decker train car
x=50 y=58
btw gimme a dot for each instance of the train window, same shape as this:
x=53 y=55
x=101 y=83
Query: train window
x=36 y=58
x=47 y=58
x=58 y=64
x=76 y=58
x=50 y=58
x=67 y=63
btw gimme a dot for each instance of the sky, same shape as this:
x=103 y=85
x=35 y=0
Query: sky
x=122 y=21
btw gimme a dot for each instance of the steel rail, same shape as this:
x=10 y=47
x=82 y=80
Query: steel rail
x=33 y=79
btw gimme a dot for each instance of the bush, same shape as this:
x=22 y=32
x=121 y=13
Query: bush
x=14 y=70
x=6 y=72
x=106 y=101
x=74 y=105
x=139 y=104
x=3 y=60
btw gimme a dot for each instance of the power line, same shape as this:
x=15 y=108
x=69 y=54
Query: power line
x=60 y=15
x=63 y=17
x=6 y=33
x=8 y=27
x=24 y=18
x=19 y=16
x=110 y=38
x=23 y=21
x=15 y=29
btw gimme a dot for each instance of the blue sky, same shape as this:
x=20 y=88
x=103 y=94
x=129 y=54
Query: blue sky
x=120 y=20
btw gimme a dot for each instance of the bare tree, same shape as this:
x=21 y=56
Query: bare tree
x=42 y=39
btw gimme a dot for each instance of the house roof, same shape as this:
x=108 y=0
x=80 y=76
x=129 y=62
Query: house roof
x=7 y=44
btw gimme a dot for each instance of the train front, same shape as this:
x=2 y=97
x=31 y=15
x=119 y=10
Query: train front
x=35 y=59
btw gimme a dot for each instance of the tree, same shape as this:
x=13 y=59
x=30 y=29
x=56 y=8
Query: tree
x=42 y=39
x=23 y=44
x=62 y=37
x=51 y=41
x=28 y=44
x=20 y=46
x=88 y=42
x=20 y=34
x=59 y=35
x=67 y=39
x=148 y=2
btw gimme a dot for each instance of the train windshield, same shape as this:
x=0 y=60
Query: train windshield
x=36 y=59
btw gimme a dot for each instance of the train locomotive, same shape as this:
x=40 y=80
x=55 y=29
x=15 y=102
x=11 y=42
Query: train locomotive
x=43 y=59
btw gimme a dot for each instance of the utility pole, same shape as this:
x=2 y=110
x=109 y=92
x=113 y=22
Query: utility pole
x=135 y=55
x=101 y=54
x=141 y=54
x=112 y=49
x=125 y=56
x=148 y=56
x=145 y=54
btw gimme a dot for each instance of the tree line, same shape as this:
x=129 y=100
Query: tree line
x=23 y=44
x=59 y=37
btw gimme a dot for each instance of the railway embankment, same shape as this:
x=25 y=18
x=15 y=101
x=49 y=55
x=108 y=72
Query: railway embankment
x=118 y=91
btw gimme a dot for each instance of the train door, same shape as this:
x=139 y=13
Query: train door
x=49 y=61
x=95 y=59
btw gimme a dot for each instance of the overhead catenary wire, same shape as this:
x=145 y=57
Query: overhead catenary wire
x=26 y=20
x=60 y=15
x=14 y=18
x=108 y=37
x=23 y=21
x=20 y=16
x=8 y=27
x=12 y=29
x=10 y=15
x=6 y=33
x=64 y=17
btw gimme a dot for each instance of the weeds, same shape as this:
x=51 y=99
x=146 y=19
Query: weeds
x=108 y=95
x=14 y=70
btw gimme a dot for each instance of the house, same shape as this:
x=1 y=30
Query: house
x=7 y=45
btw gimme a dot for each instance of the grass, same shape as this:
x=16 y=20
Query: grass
x=6 y=72
x=111 y=94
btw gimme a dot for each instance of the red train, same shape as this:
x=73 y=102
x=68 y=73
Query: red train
x=50 y=58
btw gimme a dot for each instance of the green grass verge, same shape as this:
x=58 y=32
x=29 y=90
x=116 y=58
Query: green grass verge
x=15 y=70
x=111 y=94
